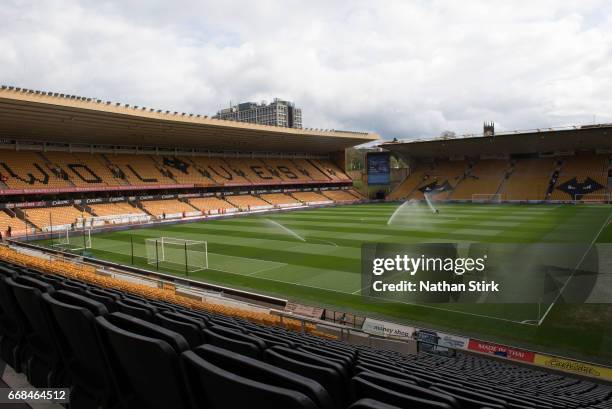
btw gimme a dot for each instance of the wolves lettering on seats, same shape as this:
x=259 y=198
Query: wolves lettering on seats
x=260 y=172
x=177 y=164
x=287 y=172
x=90 y=177
x=225 y=175
x=31 y=178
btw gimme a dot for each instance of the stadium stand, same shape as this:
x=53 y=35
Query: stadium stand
x=440 y=179
x=82 y=170
x=279 y=199
x=310 y=197
x=42 y=217
x=35 y=170
x=582 y=170
x=518 y=179
x=167 y=208
x=218 y=172
x=308 y=169
x=211 y=204
x=87 y=273
x=30 y=170
x=247 y=202
x=357 y=194
x=288 y=171
x=176 y=168
x=339 y=196
x=483 y=177
x=114 y=209
x=113 y=342
x=528 y=179
x=330 y=169
x=139 y=169
x=46 y=217
x=255 y=170
x=408 y=185
x=96 y=167
x=7 y=220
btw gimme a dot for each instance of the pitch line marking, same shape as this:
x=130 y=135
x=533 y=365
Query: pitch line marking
x=281 y=281
x=401 y=302
x=246 y=258
x=574 y=271
x=523 y=322
x=353 y=292
x=261 y=270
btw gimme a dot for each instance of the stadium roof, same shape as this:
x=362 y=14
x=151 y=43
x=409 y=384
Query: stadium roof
x=549 y=140
x=52 y=117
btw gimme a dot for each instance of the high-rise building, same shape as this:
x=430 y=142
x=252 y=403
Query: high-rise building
x=276 y=113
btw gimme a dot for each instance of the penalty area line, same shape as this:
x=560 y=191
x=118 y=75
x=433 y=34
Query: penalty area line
x=298 y=284
x=603 y=226
x=261 y=270
x=280 y=281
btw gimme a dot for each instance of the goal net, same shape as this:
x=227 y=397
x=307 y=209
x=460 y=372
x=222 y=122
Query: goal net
x=486 y=198
x=592 y=198
x=177 y=254
x=73 y=239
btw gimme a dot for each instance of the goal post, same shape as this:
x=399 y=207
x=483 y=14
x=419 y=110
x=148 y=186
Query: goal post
x=592 y=198
x=177 y=254
x=73 y=239
x=486 y=198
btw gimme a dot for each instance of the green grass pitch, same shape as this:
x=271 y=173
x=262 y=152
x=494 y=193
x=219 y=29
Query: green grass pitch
x=313 y=256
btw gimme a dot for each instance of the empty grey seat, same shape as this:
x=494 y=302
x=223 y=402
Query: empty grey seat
x=144 y=360
x=215 y=388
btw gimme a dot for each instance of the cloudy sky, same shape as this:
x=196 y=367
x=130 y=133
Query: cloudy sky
x=404 y=68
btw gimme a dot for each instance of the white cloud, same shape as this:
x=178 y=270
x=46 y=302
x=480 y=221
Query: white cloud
x=402 y=68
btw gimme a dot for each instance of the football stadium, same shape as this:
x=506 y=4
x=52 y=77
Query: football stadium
x=159 y=259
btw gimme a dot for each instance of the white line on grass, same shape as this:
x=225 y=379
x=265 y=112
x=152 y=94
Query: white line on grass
x=298 y=284
x=461 y=312
x=281 y=281
x=277 y=264
x=374 y=298
x=353 y=292
x=247 y=258
x=261 y=270
x=401 y=302
x=603 y=226
x=524 y=322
